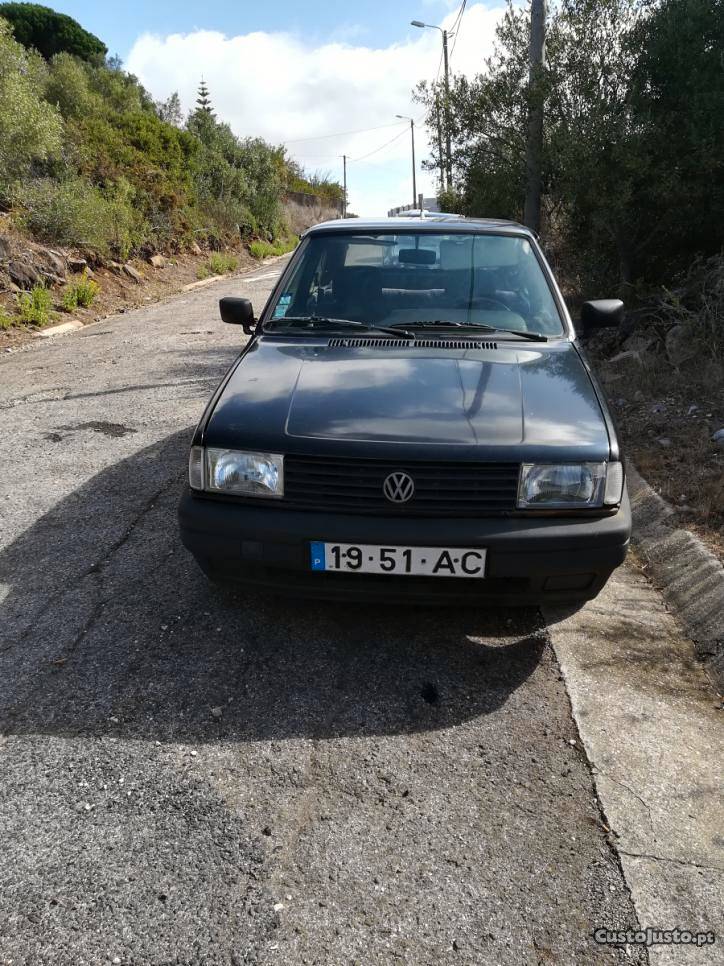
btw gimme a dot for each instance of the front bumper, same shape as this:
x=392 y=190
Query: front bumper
x=530 y=560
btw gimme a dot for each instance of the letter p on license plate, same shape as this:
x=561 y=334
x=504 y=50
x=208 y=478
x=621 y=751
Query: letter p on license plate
x=400 y=561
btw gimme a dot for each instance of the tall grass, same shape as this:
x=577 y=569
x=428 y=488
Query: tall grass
x=35 y=307
x=264 y=249
x=219 y=263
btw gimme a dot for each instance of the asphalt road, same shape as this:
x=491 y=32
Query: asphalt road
x=193 y=778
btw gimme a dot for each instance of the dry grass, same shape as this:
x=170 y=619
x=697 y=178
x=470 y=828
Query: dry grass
x=669 y=404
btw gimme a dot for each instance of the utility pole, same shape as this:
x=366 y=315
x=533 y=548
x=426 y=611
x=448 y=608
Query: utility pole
x=404 y=117
x=534 y=144
x=414 y=175
x=446 y=161
x=344 y=195
x=439 y=141
x=448 y=147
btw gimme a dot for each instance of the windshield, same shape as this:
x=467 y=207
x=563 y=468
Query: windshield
x=404 y=278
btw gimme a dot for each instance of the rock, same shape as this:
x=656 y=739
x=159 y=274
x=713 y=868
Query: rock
x=665 y=442
x=4 y=247
x=158 y=261
x=718 y=438
x=23 y=274
x=639 y=395
x=76 y=264
x=636 y=343
x=52 y=261
x=53 y=279
x=195 y=249
x=692 y=410
x=658 y=407
x=631 y=355
x=278 y=906
x=131 y=272
x=216 y=712
x=679 y=345
x=609 y=376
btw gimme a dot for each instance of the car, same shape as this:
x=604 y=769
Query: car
x=413 y=418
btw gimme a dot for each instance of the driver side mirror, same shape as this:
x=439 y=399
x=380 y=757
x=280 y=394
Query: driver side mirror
x=600 y=314
x=238 y=311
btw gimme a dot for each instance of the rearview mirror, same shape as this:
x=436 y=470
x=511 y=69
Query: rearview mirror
x=237 y=311
x=601 y=313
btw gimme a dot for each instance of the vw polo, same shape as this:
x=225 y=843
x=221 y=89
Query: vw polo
x=412 y=417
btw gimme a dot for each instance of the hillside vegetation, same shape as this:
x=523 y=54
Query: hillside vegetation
x=89 y=160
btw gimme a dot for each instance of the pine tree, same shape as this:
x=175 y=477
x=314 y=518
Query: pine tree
x=203 y=101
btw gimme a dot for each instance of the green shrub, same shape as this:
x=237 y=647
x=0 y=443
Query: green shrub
x=81 y=293
x=36 y=305
x=219 y=263
x=264 y=249
x=6 y=319
x=30 y=129
x=76 y=214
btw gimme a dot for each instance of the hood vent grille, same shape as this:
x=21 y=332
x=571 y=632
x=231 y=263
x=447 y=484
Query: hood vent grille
x=373 y=342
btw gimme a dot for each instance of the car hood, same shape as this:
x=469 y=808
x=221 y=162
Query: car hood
x=513 y=402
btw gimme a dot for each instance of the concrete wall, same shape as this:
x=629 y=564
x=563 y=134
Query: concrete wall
x=302 y=211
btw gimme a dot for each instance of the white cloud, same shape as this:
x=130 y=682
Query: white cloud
x=274 y=86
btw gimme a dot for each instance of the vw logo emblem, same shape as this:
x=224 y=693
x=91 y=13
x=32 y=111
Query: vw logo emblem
x=398 y=487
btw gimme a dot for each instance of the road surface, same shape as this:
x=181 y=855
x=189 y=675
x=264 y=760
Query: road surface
x=193 y=778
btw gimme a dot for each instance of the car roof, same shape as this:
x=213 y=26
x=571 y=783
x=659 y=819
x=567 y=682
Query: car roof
x=432 y=221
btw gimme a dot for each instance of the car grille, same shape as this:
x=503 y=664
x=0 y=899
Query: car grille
x=441 y=489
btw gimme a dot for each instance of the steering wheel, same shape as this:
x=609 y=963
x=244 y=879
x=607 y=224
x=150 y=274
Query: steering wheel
x=479 y=302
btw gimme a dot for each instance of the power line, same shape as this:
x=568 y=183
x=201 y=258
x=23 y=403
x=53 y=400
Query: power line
x=341 y=134
x=369 y=155
x=457 y=26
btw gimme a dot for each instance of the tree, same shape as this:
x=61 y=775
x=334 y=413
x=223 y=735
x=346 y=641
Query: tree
x=31 y=130
x=633 y=139
x=50 y=33
x=203 y=101
x=170 y=110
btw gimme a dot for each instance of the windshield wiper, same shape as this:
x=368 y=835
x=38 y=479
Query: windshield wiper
x=524 y=334
x=312 y=320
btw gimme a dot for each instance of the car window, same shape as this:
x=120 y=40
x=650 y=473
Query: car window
x=406 y=277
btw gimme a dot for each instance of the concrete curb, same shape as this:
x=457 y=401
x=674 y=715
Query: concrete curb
x=61 y=329
x=687 y=573
x=203 y=282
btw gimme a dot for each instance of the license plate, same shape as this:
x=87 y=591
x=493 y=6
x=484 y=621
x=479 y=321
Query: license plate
x=414 y=561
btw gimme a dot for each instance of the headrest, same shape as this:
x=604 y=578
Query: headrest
x=488 y=251
x=455 y=254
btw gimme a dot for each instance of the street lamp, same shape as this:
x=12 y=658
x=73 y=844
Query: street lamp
x=448 y=146
x=404 y=117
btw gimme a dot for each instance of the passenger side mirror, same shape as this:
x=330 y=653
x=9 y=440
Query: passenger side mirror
x=237 y=311
x=600 y=314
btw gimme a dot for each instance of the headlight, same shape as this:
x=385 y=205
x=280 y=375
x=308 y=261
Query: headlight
x=248 y=474
x=569 y=485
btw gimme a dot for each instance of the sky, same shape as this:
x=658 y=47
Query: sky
x=324 y=79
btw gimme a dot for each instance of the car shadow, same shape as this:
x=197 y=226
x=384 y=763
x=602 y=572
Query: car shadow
x=109 y=628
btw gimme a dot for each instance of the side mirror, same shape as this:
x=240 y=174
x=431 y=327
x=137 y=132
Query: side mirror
x=238 y=312
x=600 y=314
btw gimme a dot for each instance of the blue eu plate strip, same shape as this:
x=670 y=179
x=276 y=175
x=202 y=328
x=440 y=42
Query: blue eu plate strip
x=317 y=555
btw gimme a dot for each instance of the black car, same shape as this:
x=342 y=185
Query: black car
x=413 y=417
